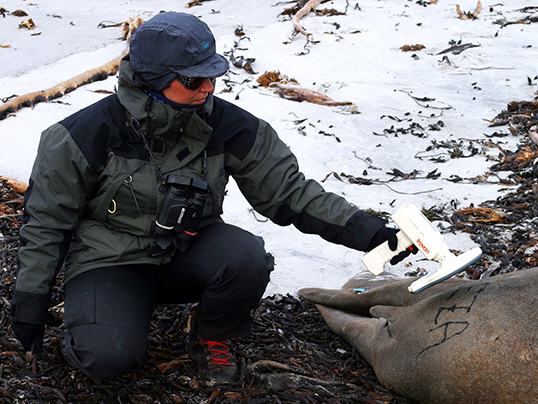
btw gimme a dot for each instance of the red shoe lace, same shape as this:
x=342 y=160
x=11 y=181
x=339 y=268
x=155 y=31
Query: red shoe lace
x=216 y=348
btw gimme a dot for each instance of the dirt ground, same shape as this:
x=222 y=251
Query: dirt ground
x=291 y=356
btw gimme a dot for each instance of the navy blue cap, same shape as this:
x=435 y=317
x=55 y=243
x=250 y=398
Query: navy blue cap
x=174 y=43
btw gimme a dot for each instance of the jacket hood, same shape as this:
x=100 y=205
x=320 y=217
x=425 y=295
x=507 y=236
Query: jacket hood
x=142 y=106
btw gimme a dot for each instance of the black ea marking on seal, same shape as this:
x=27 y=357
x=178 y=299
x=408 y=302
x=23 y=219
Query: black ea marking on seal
x=453 y=328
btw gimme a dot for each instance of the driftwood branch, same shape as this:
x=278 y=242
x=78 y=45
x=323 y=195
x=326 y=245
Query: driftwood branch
x=296 y=93
x=301 y=13
x=469 y=15
x=59 y=90
x=289 y=89
x=19 y=186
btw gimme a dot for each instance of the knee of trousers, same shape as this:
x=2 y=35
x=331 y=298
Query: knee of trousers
x=247 y=266
x=104 y=352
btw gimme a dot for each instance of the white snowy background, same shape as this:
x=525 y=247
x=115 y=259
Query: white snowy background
x=356 y=57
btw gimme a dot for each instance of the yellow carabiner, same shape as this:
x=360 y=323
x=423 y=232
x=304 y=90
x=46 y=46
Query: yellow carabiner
x=114 y=209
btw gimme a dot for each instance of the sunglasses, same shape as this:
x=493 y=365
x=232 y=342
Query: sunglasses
x=191 y=83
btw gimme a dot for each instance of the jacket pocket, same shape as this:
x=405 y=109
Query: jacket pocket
x=128 y=197
x=133 y=206
x=96 y=245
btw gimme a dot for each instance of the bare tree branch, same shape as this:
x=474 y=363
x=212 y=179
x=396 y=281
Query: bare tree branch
x=59 y=90
x=301 y=13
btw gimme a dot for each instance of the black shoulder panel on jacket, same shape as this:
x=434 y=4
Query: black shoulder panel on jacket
x=232 y=126
x=100 y=128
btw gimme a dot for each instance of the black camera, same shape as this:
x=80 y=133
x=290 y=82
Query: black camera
x=181 y=212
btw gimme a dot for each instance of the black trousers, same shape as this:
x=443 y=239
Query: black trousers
x=108 y=310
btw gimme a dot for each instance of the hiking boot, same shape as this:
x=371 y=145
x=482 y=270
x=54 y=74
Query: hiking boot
x=216 y=362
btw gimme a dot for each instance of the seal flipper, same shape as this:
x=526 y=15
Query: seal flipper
x=364 y=333
x=379 y=292
x=338 y=299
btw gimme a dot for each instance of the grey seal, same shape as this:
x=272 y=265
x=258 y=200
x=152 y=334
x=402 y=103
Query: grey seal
x=460 y=341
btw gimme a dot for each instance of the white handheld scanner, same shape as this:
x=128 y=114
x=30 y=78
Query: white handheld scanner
x=416 y=229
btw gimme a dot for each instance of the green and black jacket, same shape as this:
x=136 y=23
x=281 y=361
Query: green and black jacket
x=94 y=190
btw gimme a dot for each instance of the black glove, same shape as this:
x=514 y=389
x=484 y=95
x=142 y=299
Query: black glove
x=389 y=234
x=404 y=254
x=30 y=335
x=382 y=235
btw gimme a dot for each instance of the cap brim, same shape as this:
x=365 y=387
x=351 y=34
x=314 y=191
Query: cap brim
x=212 y=67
